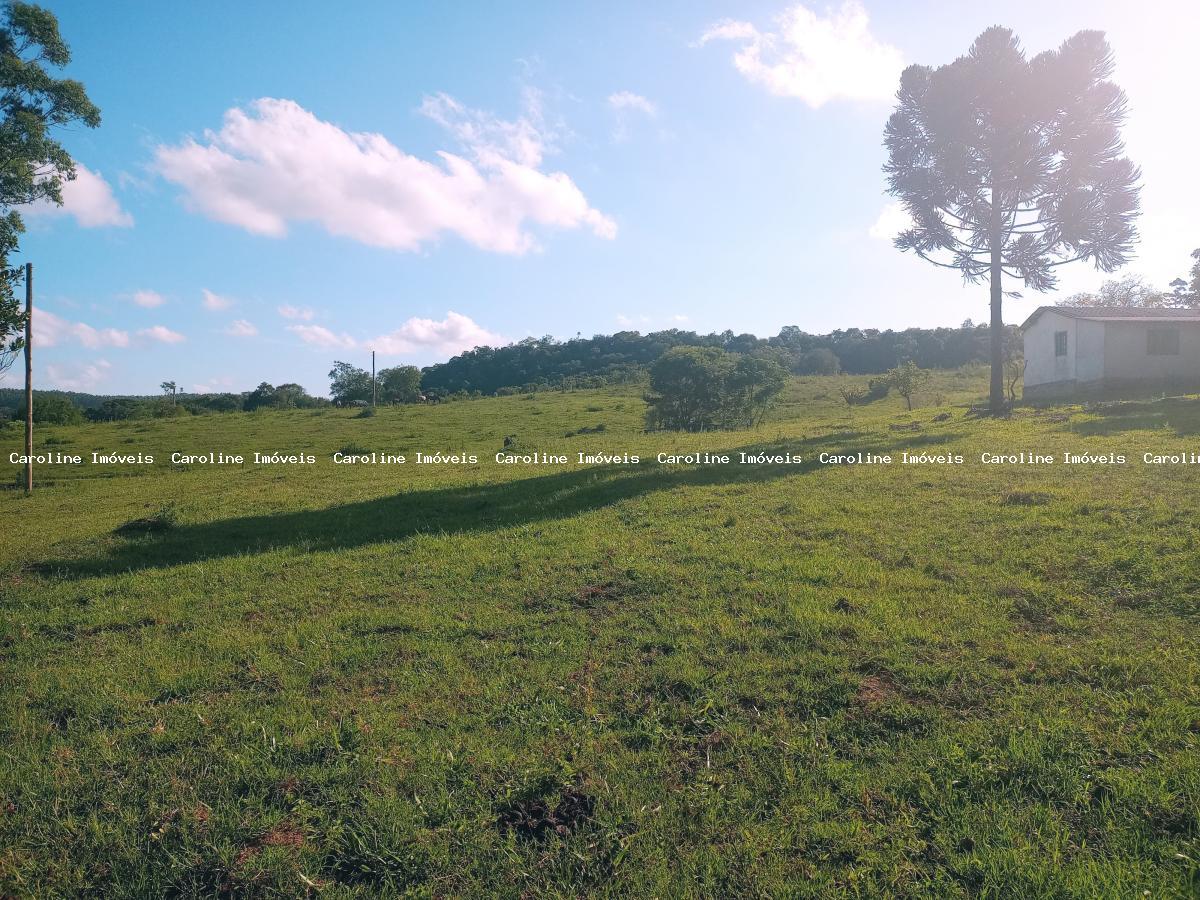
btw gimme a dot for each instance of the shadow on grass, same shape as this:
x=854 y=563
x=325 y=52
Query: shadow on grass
x=1180 y=415
x=452 y=510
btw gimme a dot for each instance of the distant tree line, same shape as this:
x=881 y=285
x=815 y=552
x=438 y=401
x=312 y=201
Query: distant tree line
x=1133 y=291
x=547 y=364
x=537 y=364
x=67 y=407
x=349 y=386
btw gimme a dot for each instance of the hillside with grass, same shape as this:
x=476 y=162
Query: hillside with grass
x=478 y=679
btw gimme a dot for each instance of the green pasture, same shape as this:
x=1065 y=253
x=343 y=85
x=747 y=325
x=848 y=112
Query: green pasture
x=482 y=680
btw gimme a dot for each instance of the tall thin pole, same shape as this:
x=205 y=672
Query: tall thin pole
x=29 y=378
x=374 y=383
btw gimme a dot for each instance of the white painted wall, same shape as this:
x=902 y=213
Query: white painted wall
x=1041 y=365
x=1113 y=351
x=1089 y=350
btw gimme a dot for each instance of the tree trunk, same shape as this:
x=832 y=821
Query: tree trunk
x=29 y=378
x=996 y=330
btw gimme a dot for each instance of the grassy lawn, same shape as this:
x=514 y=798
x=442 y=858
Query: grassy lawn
x=490 y=680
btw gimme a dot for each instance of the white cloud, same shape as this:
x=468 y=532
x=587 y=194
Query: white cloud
x=241 y=328
x=162 y=334
x=78 y=378
x=816 y=59
x=88 y=199
x=275 y=163
x=319 y=336
x=525 y=140
x=218 y=385
x=215 y=302
x=304 y=314
x=50 y=330
x=623 y=103
x=148 y=299
x=891 y=221
x=629 y=321
x=451 y=335
x=630 y=100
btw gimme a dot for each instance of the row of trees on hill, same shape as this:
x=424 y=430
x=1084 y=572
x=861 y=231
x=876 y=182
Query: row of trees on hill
x=543 y=363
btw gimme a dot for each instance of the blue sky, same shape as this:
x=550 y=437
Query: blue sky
x=276 y=186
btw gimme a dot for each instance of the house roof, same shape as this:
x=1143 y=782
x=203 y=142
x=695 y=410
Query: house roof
x=1117 y=314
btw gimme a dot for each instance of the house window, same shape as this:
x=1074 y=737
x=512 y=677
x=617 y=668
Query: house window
x=1060 y=343
x=1162 y=342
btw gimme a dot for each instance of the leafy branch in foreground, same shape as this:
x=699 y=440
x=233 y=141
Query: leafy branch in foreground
x=33 y=165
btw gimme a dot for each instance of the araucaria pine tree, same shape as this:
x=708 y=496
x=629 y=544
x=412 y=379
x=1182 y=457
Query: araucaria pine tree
x=1012 y=167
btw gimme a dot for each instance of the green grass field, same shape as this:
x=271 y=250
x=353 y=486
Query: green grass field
x=644 y=680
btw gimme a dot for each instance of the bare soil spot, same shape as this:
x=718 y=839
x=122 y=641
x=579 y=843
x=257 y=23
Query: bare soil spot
x=875 y=689
x=533 y=819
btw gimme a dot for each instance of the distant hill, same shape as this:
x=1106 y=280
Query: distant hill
x=13 y=398
x=589 y=362
x=540 y=363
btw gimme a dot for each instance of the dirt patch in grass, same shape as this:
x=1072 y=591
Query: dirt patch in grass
x=876 y=689
x=282 y=835
x=592 y=595
x=533 y=819
x=1035 y=611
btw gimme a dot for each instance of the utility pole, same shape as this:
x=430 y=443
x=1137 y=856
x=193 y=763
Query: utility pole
x=28 y=378
x=374 y=383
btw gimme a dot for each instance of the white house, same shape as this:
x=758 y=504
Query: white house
x=1070 y=349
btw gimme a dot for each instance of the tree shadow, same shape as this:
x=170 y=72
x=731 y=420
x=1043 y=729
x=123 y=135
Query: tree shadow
x=450 y=510
x=1180 y=415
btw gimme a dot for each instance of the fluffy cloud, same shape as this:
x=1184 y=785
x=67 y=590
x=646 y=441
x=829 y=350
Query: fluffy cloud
x=275 y=163
x=891 y=221
x=89 y=199
x=319 y=336
x=148 y=299
x=525 y=140
x=451 y=335
x=816 y=59
x=215 y=302
x=50 y=330
x=78 y=378
x=218 y=385
x=161 y=334
x=241 y=328
x=304 y=314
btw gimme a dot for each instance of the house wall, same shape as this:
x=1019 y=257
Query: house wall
x=1042 y=367
x=1090 y=350
x=1126 y=359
